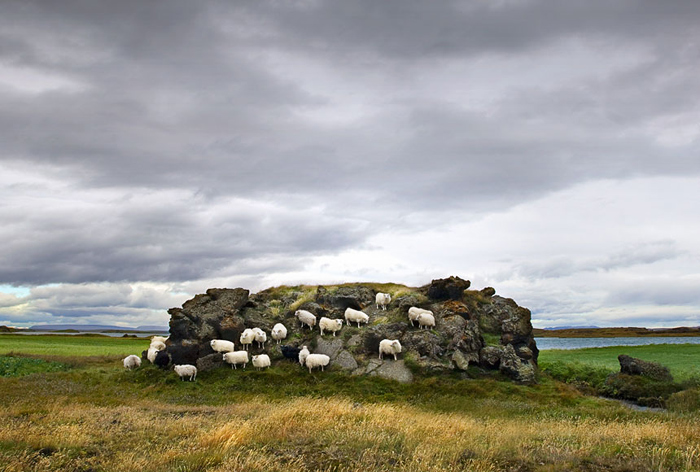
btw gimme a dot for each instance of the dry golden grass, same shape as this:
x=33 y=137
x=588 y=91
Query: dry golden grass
x=333 y=434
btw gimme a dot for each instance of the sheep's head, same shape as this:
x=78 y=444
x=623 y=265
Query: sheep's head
x=339 y=322
x=397 y=345
x=255 y=358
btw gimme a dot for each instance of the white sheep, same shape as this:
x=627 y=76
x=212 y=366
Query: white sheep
x=157 y=345
x=221 y=345
x=132 y=361
x=260 y=337
x=414 y=311
x=247 y=338
x=303 y=354
x=151 y=354
x=425 y=319
x=261 y=361
x=236 y=357
x=306 y=318
x=330 y=325
x=160 y=339
x=355 y=316
x=186 y=370
x=317 y=360
x=389 y=346
x=279 y=332
x=382 y=299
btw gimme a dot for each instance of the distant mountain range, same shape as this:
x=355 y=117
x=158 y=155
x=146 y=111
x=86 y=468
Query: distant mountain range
x=83 y=327
x=571 y=327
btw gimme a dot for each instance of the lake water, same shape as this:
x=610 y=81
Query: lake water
x=112 y=335
x=579 y=343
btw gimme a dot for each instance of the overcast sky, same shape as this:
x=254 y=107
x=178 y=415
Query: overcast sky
x=150 y=150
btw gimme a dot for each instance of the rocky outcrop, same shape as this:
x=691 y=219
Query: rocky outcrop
x=474 y=329
x=653 y=370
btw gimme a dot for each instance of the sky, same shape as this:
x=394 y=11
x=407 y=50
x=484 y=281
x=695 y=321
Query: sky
x=152 y=150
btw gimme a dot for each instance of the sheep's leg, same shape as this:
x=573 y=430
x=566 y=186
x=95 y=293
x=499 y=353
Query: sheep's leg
x=395 y=357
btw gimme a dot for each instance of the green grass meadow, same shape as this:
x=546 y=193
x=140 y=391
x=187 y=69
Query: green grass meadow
x=683 y=360
x=69 y=405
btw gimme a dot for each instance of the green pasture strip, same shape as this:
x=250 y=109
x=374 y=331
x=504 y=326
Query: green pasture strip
x=19 y=366
x=682 y=359
x=65 y=345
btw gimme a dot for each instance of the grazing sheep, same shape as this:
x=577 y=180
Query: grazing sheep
x=425 y=319
x=279 y=332
x=330 y=325
x=261 y=361
x=389 y=346
x=158 y=345
x=221 y=345
x=413 y=313
x=317 y=360
x=236 y=357
x=132 y=361
x=355 y=316
x=382 y=299
x=260 y=337
x=247 y=338
x=290 y=352
x=186 y=370
x=306 y=318
x=303 y=354
x=151 y=354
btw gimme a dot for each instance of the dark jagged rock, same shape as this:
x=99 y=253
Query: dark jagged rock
x=488 y=291
x=356 y=297
x=464 y=319
x=653 y=370
x=490 y=357
x=214 y=315
x=516 y=368
x=451 y=288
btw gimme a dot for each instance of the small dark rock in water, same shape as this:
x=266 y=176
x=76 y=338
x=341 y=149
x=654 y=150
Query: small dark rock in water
x=653 y=370
x=290 y=352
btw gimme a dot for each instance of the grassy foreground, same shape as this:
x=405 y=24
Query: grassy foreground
x=88 y=413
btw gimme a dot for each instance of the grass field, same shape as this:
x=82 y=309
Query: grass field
x=682 y=359
x=71 y=345
x=80 y=411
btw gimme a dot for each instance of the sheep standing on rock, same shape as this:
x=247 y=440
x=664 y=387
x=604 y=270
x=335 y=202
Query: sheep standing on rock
x=306 y=318
x=186 y=370
x=132 y=362
x=425 y=320
x=160 y=339
x=261 y=361
x=278 y=333
x=317 y=360
x=247 y=338
x=260 y=337
x=221 y=345
x=236 y=357
x=355 y=316
x=330 y=325
x=382 y=299
x=414 y=311
x=389 y=346
x=157 y=345
x=151 y=354
x=303 y=354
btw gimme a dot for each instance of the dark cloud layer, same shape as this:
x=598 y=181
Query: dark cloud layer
x=174 y=141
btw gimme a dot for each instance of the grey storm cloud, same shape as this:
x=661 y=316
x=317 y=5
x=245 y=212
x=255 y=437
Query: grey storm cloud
x=635 y=255
x=176 y=141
